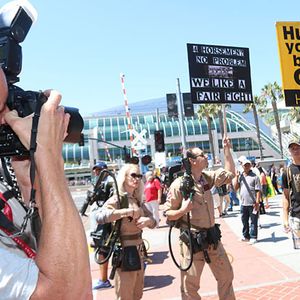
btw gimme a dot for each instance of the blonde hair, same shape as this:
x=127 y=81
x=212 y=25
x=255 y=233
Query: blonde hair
x=148 y=175
x=127 y=169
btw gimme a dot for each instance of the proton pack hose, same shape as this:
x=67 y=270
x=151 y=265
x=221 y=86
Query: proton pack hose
x=190 y=245
x=110 y=243
x=187 y=190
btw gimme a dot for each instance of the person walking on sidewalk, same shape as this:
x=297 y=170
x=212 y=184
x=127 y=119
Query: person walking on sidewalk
x=264 y=186
x=102 y=191
x=274 y=178
x=291 y=193
x=153 y=194
x=224 y=199
x=205 y=232
x=249 y=187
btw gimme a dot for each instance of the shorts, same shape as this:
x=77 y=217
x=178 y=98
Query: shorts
x=264 y=190
x=216 y=199
x=295 y=226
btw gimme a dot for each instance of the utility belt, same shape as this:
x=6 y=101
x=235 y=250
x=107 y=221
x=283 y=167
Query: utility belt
x=127 y=258
x=202 y=239
x=131 y=237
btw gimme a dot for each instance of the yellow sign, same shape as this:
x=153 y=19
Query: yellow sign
x=288 y=38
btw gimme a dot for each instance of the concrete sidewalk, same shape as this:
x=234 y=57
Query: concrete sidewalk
x=269 y=269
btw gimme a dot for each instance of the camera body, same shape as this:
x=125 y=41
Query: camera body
x=15 y=23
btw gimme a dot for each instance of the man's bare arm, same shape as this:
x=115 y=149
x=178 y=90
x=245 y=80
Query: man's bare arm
x=285 y=207
x=62 y=256
x=228 y=160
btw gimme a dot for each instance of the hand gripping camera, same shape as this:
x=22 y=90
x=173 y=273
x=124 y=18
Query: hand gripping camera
x=15 y=22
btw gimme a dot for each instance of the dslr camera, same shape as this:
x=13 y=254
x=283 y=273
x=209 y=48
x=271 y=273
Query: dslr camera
x=15 y=22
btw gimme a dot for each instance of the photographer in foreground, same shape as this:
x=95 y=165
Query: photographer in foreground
x=60 y=269
x=198 y=216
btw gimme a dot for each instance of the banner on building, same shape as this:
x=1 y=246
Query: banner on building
x=172 y=105
x=288 y=38
x=219 y=74
x=188 y=106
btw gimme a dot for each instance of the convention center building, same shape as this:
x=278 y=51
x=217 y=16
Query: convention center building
x=106 y=134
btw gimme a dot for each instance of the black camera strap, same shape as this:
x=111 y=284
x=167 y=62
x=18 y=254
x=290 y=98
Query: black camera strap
x=32 y=149
x=32 y=212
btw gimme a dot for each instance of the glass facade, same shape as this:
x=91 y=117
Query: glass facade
x=114 y=129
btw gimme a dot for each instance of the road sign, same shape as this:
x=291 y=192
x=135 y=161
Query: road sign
x=288 y=38
x=219 y=74
x=139 y=142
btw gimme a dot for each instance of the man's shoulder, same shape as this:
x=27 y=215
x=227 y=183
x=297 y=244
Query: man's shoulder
x=176 y=182
x=293 y=168
x=157 y=180
x=253 y=174
x=12 y=259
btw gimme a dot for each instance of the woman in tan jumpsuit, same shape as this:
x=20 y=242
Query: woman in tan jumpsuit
x=129 y=284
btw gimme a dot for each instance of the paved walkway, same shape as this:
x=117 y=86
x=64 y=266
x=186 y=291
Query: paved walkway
x=268 y=270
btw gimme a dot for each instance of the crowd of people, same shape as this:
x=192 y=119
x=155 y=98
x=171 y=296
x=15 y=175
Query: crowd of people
x=130 y=202
x=127 y=204
x=248 y=186
x=44 y=254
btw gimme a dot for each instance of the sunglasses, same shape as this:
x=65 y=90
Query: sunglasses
x=199 y=155
x=136 y=176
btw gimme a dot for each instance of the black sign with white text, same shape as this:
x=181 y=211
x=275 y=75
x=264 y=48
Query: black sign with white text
x=219 y=74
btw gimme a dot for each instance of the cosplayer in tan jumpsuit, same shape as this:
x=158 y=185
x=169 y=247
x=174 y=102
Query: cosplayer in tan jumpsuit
x=201 y=210
x=129 y=284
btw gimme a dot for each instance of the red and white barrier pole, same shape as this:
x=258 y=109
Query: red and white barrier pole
x=129 y=125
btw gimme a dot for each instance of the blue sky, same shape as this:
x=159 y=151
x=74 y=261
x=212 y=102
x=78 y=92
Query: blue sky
x=81 y=47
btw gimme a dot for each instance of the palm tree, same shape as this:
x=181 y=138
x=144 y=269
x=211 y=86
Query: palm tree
x=294 y=113
x=221 y=117
x=257 y=101
x=273 y=93
x=209 y=111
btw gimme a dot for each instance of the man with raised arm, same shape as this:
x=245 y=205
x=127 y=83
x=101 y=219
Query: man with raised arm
x=206 y=235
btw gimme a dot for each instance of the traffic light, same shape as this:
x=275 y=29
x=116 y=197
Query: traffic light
x=159 y=140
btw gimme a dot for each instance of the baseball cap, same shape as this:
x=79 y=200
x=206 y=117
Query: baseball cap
x=241 y=159
x=294 y=140
x=246 y=161
x=100 y=165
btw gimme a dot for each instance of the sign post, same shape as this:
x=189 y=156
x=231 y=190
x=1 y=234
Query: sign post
x=180 y=115
x=288 y=38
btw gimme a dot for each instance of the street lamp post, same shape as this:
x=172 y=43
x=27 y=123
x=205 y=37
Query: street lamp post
x=124 y=148
x=248 y=146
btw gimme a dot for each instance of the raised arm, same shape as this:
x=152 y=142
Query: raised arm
x=228 y=160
